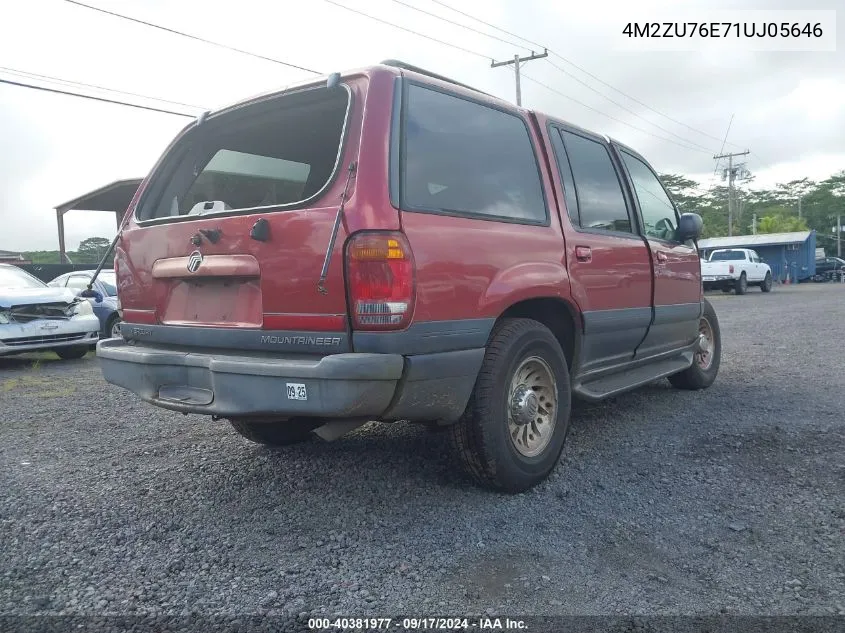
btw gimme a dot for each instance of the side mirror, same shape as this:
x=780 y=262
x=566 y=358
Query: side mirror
x=689 y=227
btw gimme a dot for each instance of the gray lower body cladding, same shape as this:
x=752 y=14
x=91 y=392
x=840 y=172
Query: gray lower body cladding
x=243 y=384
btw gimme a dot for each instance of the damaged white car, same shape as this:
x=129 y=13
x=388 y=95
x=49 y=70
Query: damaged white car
x=35 y=317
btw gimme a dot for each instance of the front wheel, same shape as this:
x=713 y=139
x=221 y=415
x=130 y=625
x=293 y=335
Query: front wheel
x=277 y=432
x=766 y=286
x=72 y=353
x=512 y=432
x=112 y=329
x=707 y=357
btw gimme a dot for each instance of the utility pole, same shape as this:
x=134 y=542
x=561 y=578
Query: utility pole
x=517 y=61
x=800 y=198
x=839 y=235
x=754 y=224
x=731 y=173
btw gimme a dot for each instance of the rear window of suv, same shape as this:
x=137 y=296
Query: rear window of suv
x=465 y=158
x=278 y=153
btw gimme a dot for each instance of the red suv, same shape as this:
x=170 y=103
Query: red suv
x=388 y=244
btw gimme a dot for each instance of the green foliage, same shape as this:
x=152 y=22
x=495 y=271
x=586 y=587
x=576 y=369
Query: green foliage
x=776 y=209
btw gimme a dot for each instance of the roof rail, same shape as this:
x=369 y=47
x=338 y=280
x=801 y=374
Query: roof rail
x=400 y=64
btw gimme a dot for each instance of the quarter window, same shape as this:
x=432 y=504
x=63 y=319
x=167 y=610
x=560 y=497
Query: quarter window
x=466 y=158
x=601 y=203
x=658 y=213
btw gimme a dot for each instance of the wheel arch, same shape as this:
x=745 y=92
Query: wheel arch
x=557 y=314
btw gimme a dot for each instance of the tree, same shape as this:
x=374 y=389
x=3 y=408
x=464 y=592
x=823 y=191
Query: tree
x=780 y=222
x=92 y=249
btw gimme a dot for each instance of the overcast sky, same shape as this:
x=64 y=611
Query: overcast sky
x=789 y=108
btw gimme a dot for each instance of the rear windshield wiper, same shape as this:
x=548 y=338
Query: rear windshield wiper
x=321 y=287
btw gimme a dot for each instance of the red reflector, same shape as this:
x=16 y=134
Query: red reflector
x=731 y=268
x=380 y=280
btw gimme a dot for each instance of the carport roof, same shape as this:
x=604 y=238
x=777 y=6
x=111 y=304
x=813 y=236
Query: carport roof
x=114 y=197
x=750 y=241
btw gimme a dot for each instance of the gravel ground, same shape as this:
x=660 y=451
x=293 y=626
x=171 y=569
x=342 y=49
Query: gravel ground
x=730 y=500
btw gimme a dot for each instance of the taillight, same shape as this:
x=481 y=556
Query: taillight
x=380 y=280
x=731 y=268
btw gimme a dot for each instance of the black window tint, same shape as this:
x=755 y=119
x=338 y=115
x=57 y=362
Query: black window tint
x=600 y=199
x=465 y=157
x=569 y=194
x=658 y=214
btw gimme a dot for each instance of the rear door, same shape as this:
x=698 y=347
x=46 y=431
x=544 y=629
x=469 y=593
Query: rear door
x=609 y=264
x=676 y=265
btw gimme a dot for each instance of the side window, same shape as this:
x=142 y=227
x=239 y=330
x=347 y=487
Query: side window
x=565 y=171
x=77 y=282
x=463 y=157
x=601 y=204
x=659 y=217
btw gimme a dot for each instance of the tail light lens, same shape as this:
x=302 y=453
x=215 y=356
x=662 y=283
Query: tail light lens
x=380 y=281
x=731 y=268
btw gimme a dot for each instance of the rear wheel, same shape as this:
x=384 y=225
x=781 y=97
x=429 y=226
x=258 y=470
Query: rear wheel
x=766 y=286
x=277 y=432
x=512 y=432
x=72 y=353
x=705 y=365
x=741 y=284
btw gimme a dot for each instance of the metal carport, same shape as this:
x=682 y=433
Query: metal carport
x=114 y=198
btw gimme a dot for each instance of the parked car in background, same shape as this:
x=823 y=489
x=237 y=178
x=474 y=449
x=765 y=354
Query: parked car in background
x=829 y=268
x=735 y=269
x=36 y=317
x=107 y=310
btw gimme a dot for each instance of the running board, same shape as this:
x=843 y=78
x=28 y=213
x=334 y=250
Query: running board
x=610 y=385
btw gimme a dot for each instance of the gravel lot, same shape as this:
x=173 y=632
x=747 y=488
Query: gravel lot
x=730 y=500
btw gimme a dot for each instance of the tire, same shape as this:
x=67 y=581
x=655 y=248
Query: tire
x=697 y=376
x=766 y=286
x=111 y=325
x=72 y=353
x=276 y=433
x=741 y=284
x=483 y=438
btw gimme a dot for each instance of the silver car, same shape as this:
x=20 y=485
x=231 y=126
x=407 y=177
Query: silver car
x=35 y=317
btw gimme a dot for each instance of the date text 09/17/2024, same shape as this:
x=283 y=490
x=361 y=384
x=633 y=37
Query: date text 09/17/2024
x=722 y=29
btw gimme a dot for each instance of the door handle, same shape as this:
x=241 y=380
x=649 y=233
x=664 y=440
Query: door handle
x=661 y=257
x=583 y=254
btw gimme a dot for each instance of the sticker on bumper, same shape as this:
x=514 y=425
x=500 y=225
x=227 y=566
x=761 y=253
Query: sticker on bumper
x=297 y=391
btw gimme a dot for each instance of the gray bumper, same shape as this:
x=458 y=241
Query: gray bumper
x=354 y=385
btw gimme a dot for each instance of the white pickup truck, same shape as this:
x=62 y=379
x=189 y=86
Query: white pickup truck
x=735 y=269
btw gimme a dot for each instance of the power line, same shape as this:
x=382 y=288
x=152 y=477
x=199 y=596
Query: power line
x=626 y=108
x=463 y=26
x=195 y=37
x=610 y=116
x=30 y=75
x=492 y=26
x=407 y=30
x=555 y=66
x=583 y=70
x=94 y=98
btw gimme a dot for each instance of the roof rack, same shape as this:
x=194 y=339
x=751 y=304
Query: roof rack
x=400 y=64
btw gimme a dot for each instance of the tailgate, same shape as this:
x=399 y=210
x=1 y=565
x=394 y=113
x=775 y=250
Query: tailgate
x=232 y=230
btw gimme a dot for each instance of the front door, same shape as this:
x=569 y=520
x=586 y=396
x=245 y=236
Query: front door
x=677 y=268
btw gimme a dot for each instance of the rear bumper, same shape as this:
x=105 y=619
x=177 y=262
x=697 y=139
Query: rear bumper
x=349 y=385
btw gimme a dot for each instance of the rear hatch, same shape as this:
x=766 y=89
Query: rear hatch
x=230 y=233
